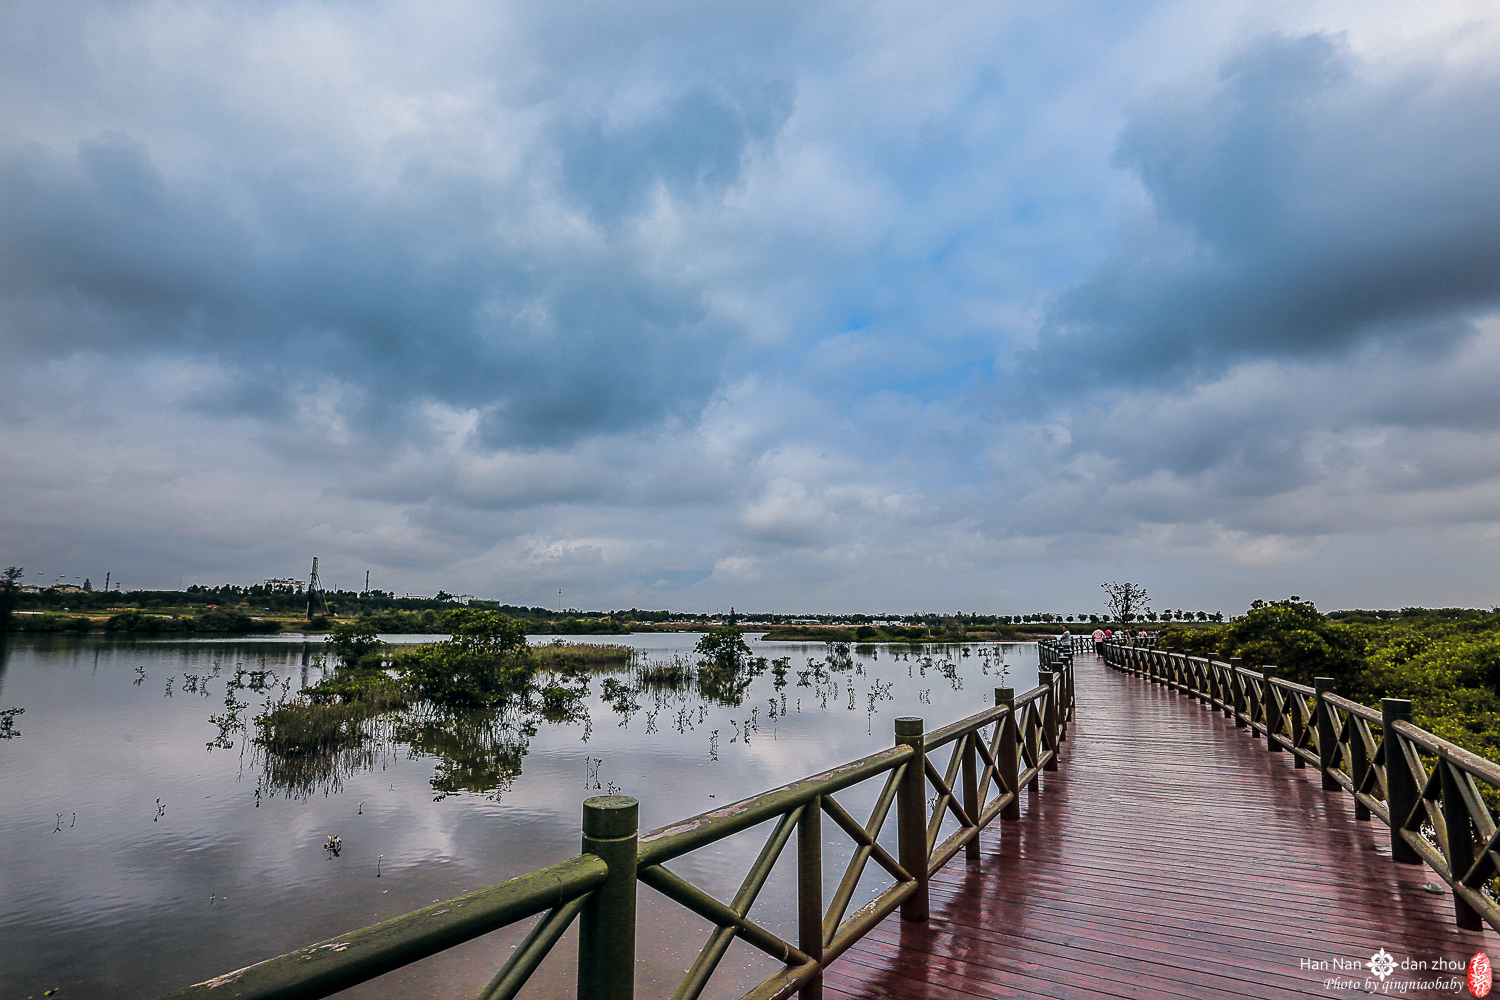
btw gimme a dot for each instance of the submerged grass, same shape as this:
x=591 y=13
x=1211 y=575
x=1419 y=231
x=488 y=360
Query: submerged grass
x=301 y=728
x=564 y=656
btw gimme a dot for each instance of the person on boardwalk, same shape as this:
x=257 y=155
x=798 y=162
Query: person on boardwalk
x=1098 y=642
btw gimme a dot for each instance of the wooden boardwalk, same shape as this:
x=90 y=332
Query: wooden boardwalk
x=1170 y=856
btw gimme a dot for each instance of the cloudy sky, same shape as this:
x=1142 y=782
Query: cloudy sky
x=813 y=306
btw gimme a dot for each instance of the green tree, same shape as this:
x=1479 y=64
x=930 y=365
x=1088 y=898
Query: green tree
x=724 y=647
x=352 y=641
x=1294 y=637
x=10 y=593
x=485 y=661
x=1126 y=601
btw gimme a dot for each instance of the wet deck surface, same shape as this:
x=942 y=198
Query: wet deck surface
x=1169 y=856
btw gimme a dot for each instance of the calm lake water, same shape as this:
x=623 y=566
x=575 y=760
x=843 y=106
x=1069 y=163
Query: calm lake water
x=147 y=842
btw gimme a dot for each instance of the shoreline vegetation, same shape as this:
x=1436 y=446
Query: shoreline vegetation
x=280 y=606
x=869 y=634
x=474 y=700
x=1446 y=661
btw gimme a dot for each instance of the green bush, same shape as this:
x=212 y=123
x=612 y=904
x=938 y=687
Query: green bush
x=218 y=620
x=373 y=688
x=724 y=648
x=135 y=621
x=1447 y=664
x=486 y=660
x=353 y=641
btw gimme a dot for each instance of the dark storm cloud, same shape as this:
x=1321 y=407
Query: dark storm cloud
x=1304 y=203
x=435 y=289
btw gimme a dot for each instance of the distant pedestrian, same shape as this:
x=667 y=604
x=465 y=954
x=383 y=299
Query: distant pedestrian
x=1098 y=642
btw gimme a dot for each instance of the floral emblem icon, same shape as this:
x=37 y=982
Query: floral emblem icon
x=1382 y=964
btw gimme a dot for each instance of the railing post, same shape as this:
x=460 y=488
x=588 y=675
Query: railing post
x=1008 y=755
x=911 y=809
x=1328 y=740
x=1064 y=677
x=1072 y=692
x=971 y=792
x=1226 y=688
x=1400 y=787
x=606 y=928
x=1237 y=683
x=1049 y=716
x=1273 y=710
x=1299 y=727
x=1460 y=844
x=810 y=892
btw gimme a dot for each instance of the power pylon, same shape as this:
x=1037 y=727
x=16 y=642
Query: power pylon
x=315 y=598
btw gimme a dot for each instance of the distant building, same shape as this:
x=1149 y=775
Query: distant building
x=283 y=586
x=66 y=588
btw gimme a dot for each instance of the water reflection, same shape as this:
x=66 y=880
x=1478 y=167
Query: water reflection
x=167 y=800
x=307 y=744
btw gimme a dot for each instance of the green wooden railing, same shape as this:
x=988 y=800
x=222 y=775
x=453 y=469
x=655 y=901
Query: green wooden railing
x=1429 y=792
x=994 y=754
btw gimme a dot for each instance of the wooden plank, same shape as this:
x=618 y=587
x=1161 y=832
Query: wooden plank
x=1170 y=856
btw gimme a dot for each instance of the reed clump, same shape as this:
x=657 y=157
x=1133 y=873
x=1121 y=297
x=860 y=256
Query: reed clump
x=304 y=728
x=566 y=657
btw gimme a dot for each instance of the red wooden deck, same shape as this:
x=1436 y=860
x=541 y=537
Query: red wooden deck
x=1170 y=856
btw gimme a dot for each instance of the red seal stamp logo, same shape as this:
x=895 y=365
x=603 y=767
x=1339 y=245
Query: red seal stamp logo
x=1481 y=976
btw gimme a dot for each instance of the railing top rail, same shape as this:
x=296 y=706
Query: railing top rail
x=1454 y=754
x=1352 y=707
x=952 y=731
x=679 y=838
x=348 y=959
x=1282 y=682
x=676 y=839
x=1247 y=672
x=1031 y=696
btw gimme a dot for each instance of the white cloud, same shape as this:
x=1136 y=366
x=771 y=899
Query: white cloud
x=659 y=304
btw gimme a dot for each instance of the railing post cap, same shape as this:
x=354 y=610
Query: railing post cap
x=1323 y=683
x=1395 y=707
x=609 y=816
x=1270 y=671
x=1005 y=695
x=909 y=725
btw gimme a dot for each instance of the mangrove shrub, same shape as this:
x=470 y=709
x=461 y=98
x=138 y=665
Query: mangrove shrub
x=486 y=660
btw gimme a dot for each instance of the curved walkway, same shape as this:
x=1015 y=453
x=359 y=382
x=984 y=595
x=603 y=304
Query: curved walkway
x=1169 y=856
